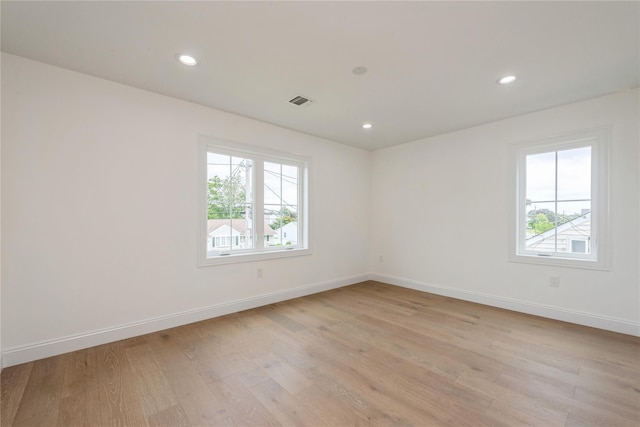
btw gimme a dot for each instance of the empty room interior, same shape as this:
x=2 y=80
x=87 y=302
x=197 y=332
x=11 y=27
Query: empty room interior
x=320 y=213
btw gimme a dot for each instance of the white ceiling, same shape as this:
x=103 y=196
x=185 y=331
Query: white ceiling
x=432 y=66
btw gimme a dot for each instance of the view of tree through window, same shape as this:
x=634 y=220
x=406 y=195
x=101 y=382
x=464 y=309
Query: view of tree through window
x=229 y=202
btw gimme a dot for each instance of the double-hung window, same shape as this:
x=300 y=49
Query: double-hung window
x=560 y=200
x=253 y=203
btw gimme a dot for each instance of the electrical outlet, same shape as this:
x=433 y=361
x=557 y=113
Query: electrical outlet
x=259 y=273
x=380 y=258
x=554 y=281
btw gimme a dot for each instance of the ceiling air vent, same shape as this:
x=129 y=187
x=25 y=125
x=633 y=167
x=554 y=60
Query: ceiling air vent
x=300 y=101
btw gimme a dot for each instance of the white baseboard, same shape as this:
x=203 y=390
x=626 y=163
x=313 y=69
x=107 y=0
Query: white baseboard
x=28 y=353
x=557 y=313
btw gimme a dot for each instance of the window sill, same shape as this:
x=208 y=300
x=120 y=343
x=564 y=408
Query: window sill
x=560 y=262
x=255 y=256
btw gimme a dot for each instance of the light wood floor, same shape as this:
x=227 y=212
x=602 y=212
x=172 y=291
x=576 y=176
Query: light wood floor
x=368 y=354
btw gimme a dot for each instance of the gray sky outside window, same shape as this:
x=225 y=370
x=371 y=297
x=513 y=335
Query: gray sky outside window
x=573 y=181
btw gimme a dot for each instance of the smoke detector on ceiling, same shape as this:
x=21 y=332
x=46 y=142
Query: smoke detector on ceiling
x=300 y=101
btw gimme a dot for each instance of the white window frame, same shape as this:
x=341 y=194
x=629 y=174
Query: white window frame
x=599 y=257
x=258 y=155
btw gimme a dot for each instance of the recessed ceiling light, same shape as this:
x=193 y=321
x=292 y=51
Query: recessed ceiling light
x=187 y=60
x=367 y=126
x=506 y=80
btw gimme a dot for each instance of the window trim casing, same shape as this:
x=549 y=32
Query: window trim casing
x=600 y=183
x=205 y=143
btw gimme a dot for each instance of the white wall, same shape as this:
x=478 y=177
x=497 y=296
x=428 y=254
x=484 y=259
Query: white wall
x=1 y=364
x=440 y=218
x=99 y=213
x=98 y=192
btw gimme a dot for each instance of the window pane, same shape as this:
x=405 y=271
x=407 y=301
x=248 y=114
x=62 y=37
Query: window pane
x=243 y=227
x=540 y=225
x=574 y=219
x=229 y=183
x=217 y=165
x=272 y=225
x=229 y=199
x=289 y=185
x=571 y=210
x=552 y=223
x=272 y=183
x=232 y=233
x=540 y=177
x=281 y=204
x=241 y=180
x=282 y=224
x=574 y=174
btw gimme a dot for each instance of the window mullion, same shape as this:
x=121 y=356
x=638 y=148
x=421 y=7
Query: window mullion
x=595 y=206
x=230 y=199
x=555 y=206
x=259 y=204
x=301 y=212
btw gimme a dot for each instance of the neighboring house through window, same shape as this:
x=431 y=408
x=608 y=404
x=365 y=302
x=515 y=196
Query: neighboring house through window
x=232 y=233
x=560 y=188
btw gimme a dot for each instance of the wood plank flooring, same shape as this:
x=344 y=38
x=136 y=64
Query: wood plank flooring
x=370 y=354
